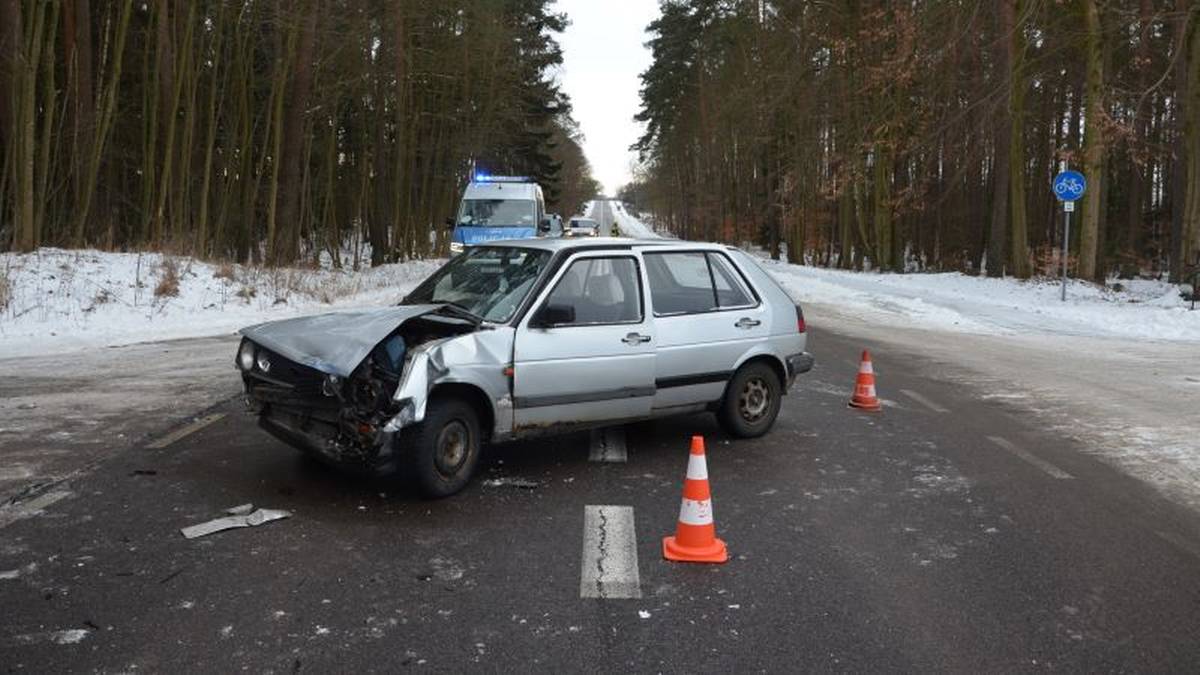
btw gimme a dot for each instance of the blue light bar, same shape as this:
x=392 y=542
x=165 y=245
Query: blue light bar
x=485 y=178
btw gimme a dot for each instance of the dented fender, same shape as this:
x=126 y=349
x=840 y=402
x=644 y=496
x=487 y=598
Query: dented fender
x=476 y=359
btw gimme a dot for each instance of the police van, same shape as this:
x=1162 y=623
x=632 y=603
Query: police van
x=499 y=207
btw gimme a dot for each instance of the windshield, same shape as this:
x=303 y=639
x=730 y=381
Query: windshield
x=498 y=212
x=490 y=282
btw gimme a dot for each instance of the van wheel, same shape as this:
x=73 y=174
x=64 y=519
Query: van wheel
x=443 y=450
x=751 y=401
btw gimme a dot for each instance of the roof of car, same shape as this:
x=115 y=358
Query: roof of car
x=559 y=244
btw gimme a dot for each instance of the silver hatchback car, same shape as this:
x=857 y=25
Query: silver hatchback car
x=521 y=338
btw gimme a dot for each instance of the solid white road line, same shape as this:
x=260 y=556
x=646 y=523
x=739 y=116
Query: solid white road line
x=610 y=565
x=179 y=433
x=924 y=401
x=22 y=510
x=1050 y=469
x=608 y=445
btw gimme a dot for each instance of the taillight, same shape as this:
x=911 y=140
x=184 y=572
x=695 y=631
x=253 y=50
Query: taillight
x=800 y=326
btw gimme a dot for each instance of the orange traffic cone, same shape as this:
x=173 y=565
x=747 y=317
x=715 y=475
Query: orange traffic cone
x=695 y=537
x=864 y=387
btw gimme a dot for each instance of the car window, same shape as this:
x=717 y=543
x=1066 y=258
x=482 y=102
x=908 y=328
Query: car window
x=731 y=290
x=679 y=283
x=694 y=282
x=601 y=290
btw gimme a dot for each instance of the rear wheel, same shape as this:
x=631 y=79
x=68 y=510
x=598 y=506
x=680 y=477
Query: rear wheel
x=443 y=450
x=751 y=401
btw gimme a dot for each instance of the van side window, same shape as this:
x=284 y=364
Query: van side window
x=694 y=282
x=601 y=291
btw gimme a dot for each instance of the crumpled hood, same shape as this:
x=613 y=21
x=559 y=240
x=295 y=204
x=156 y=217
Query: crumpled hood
x=333 y=343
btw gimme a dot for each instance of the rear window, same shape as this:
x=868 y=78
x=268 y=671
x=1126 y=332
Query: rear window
x=694 y=282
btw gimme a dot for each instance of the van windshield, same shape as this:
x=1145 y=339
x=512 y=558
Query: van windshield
x=498 y=213
x=489 y=282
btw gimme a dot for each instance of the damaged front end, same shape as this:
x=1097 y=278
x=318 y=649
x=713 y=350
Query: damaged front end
x=340 y=387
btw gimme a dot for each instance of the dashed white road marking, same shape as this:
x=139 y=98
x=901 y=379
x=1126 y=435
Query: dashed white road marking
x=1047 y=467
x=610 y=566
x=181 y=432
x=21 y=510
x=608 y=445
x=924 y=401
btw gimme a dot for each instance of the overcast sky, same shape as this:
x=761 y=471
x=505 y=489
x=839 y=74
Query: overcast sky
x=603 y=56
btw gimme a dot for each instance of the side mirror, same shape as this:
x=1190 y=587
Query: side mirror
x=450 y=223
x=544 y=225
x=553 y=315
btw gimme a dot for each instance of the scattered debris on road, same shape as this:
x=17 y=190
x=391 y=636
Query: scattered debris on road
x=522 y=483
x=242 y=515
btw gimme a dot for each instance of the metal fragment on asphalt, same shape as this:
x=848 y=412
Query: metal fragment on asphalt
x=522 y=483
x=240 y=510
x=230 y=522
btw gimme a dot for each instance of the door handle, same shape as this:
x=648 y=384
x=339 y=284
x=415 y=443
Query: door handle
x=747 y=322
x=635 y=339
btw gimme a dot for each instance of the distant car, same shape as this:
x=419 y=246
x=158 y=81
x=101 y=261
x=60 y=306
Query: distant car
x=583 y=227
x=516 y=339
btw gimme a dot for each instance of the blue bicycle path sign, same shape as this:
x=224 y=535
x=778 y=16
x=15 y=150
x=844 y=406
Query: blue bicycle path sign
x=1069 y=186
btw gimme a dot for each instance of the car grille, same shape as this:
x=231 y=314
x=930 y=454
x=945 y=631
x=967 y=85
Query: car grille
x=298 y=380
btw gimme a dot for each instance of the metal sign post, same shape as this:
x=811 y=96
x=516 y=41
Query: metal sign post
x=1068 y=187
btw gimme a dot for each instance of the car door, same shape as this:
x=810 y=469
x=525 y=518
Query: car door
x=585 y=353
x=707 y=318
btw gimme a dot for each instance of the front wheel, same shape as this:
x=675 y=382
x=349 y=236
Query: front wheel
x=751 y=401
x=443 y=450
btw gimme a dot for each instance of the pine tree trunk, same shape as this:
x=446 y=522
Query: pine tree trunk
x=1093 y=143
x=287 y=233
x=1191 y=211
x=1014 y=12
x=1183 y=24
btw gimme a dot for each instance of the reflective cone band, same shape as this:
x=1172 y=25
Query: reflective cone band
x=695 y=537
x=864 y=387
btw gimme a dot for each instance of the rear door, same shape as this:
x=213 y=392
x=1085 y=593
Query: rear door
x=707 y=318
x=596 y=364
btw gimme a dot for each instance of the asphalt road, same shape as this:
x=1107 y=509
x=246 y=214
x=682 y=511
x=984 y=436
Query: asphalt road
x=947 y=533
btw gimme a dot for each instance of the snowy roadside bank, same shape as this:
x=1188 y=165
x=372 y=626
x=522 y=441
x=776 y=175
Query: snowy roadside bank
x=630 y=225
x=955 y=302
x=62 y=300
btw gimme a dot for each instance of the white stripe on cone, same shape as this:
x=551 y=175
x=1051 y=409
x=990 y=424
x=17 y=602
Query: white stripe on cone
x=866 y=367
x=694 y=512
x=697 y=468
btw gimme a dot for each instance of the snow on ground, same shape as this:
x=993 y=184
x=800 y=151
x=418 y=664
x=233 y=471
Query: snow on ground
x=631 y=225
x=69 y=300
x=956 y=302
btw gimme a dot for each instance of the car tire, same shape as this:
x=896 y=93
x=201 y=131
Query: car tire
x=443 y=450
x=751 y=402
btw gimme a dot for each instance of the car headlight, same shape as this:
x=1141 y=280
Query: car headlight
x=456 y=247
x=245 y=357
x=264 y=363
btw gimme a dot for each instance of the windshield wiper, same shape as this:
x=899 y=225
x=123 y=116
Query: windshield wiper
x=462 y=311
